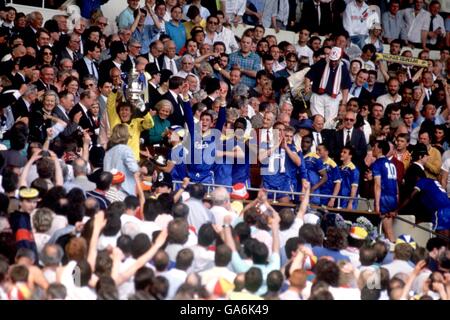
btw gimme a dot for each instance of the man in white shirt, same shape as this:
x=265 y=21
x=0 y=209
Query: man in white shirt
x=222 y=259
x=355 y=21
x=170 y=57
x=226 y=36
x=415 y=21
x=433 y=29
x=402 y=254
x=177 y=276
x=392 y=96
x=221 y=205
x=301 y=47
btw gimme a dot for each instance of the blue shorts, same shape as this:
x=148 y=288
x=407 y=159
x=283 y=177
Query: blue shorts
x=282 y=187
x=441 y=219
x=388 y=204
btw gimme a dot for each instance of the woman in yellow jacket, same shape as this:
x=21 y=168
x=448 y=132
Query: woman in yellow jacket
x=122 y=112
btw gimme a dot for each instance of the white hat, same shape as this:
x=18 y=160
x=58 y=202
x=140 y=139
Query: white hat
x=311 y=218
x=335 y=53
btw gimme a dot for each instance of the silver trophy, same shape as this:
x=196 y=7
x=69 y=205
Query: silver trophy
x=135 y=90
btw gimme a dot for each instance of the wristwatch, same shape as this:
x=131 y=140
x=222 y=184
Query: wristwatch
x=226 y=226
x=220 y=69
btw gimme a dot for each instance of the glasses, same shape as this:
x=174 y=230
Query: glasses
x=104 y=24
x=90 y=85
x=349 y=119
x=187 y=63
x=137 y=47
x=48 y=53
x=292 y=61
x=213 y=22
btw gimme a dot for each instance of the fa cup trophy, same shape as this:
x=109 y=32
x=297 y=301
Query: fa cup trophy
x=135 y=90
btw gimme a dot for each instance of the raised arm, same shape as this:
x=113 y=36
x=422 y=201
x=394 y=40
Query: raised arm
x=99 y=224
x=305 y=202
x=26 y=169
x=142 y=260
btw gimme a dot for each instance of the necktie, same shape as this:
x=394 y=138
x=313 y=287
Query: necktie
x=180 y=103
x=318 y=12
x=431 y=23
x=93 y=70
x=347 y=139
x=172 y=67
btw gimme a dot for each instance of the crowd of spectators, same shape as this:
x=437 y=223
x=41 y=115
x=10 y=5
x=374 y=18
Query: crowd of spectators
x=101 y=198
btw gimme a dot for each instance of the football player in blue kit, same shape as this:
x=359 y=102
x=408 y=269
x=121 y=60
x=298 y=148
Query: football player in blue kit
x=275 y=157
x=202 y=153
x=314 y=170
x=385 y=186
x=349 y=178
x=333 y=184
x=435 y=199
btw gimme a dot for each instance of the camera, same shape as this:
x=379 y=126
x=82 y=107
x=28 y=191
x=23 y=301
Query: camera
x=214 y=60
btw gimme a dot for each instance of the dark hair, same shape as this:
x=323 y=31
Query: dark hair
x=291 y=246
x=328 y=272
x=106 y=289
x=175 y=82
x=143 y=279
x=206 y=235
x=139 y=245
x=435 y=243
x=125 y=243
x=260 y=253
x=197 y=191
x=85 y=272
x=311 y=234
x=104 y=181
x=193 y=12
x=222 y=256
x=274 y=280
x=381 y=251
x=184 y=259
x=253 y=279
x=383 y=145
x=367 y=256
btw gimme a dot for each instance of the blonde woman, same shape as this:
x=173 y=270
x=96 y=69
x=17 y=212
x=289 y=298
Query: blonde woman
x=42 y=118
x=161 y=124
x=120 y=156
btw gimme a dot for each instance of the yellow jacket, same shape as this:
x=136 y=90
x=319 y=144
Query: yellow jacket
x=135 y=127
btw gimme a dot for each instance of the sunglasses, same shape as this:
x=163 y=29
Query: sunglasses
x=213 y=22
x=349 y=119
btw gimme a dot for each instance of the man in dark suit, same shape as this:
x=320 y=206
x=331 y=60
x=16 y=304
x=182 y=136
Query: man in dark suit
x=155 y=55
x=26 y=66
x=87 y=98
x=316 y=16
x=88 y=65
x=175 y=86
x=213 y=91
x=153 y=94
x=46 y=79
x=352 y=136
x=357 y=90
x=29 y=34
x=71 y=50
x=118 y=56
x=22 y=108
x=321 y=135
x=61 y=111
